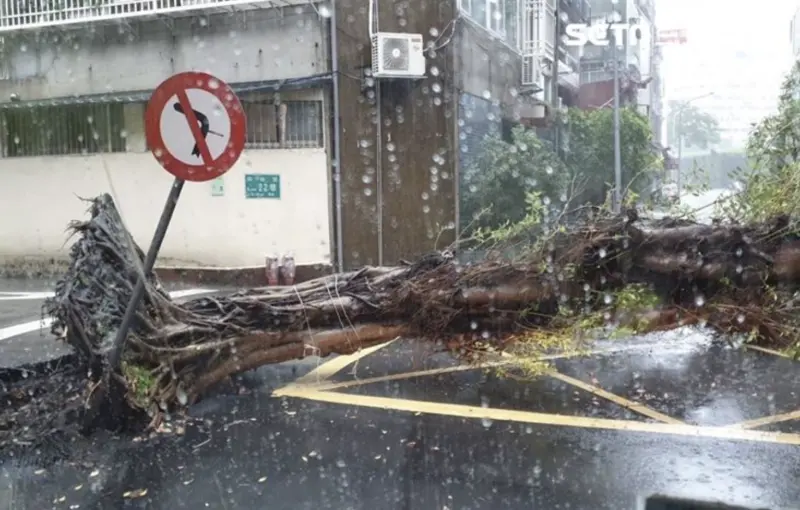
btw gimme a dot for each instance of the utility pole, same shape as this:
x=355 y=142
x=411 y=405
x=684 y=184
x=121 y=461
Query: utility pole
x=554 y=93
x=679 y=180
x=617 y=152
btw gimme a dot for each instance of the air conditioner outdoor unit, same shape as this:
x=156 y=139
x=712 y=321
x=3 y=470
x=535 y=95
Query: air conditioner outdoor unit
x=397 y=55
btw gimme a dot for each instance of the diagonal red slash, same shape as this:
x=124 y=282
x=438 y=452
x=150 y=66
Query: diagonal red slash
x=202 y=145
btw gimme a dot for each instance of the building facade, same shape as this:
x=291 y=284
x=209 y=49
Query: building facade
x=367 y=168
x=794 y=33
x=72 y=100
x=639 y=62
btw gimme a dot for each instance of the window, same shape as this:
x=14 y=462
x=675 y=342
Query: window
x=273 y=123
x=63 y=130
x=495 y=17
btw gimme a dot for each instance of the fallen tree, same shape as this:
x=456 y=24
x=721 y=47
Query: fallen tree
x=731 y=278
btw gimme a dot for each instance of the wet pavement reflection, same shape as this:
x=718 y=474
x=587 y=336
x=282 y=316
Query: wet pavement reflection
x=249 y=449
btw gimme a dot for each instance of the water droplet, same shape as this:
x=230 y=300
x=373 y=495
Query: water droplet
x=368 y=192
x=486 y=422
x=183 y=399
x=602 y=253
x=341 y=464
x=549 y=170
x=473 y=325
x=324 y=10
x=699 y=301
x=739 y=269
x=484 y=401
x=607 y=299
x=739 y=252
x=434 y=32
x=740 y=319
x=487 y=94
x=213 y=84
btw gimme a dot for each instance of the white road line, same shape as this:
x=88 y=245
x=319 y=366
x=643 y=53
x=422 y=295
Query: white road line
x=24 y=296
x=28 y=327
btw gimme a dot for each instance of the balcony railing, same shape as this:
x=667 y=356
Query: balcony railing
x=31 y=14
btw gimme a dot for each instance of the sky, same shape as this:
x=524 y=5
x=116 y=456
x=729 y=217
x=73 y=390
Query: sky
x=739 y=51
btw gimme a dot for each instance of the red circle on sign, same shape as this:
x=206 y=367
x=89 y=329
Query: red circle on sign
x=209 y=167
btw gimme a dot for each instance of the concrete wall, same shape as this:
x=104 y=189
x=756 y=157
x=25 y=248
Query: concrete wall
x=485 y=66
x=40 y=196
x=263 y=44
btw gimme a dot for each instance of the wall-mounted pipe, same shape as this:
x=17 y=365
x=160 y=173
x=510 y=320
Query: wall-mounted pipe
x=337 y=135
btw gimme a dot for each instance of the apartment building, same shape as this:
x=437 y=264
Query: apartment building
x=366 y=154
x=639 y=61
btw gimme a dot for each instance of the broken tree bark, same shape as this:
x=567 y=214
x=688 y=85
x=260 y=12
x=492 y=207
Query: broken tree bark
x=733 y=278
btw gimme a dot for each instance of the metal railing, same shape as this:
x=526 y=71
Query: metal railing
x=100 y=128
x=63 y=130
x=530 y=43
x=31 y=14
x=283 y=125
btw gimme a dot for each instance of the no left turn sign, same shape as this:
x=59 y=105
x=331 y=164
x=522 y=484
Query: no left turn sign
x=195 y=126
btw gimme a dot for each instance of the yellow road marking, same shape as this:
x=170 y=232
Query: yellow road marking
x=508 y=360
x=767 y=351
x=328 y=369
x=767 y=420
x=621 y=401
x=489 y=413
x=326 y=386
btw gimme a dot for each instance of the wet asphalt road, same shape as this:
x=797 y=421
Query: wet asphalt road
x=577 y=449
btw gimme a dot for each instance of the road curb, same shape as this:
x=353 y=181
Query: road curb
x=247 y=276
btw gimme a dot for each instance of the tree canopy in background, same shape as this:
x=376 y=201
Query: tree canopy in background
x=589 y=154
x=498 y=182
x=772 y=185
x=699 y=129
x=510 y=177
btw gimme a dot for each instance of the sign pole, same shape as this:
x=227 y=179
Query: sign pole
x=181 y=114
x=150 y=260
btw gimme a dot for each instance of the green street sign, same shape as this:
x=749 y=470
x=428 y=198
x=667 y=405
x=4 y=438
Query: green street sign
x=262 y=186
